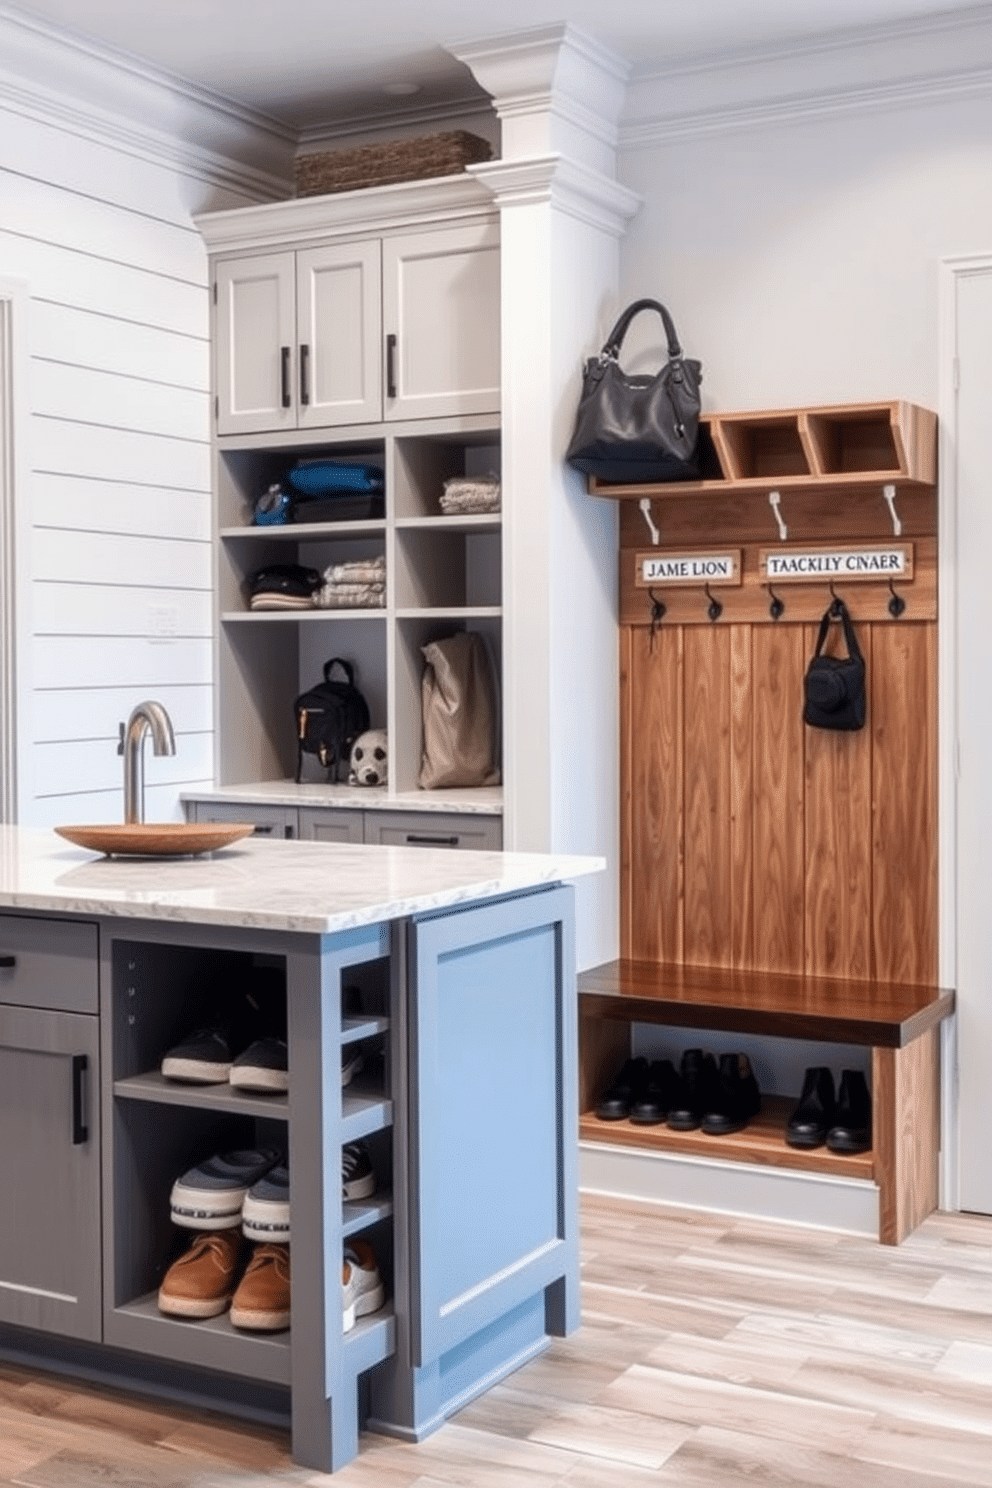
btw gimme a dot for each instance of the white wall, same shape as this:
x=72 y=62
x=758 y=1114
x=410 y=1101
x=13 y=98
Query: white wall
x=114 y=501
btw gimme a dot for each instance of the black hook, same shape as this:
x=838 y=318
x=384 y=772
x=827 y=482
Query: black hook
x=896 y=604
x=657 y=615
x=777 y=607
x=715 y=609
x=837 y=608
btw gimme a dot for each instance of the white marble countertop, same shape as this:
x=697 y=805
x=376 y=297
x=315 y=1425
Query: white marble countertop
x=483 y=801
x=264 y=884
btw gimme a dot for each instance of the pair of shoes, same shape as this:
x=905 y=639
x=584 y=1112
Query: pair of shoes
x=358 y=1179
x=351 y=1063
x=719 y=1099
x=205 y=1057
x=247 y=1190
x=362 y=1289
x=211 y=1276
x=842 y=1121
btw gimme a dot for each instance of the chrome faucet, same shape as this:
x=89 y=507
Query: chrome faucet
x=145 y=718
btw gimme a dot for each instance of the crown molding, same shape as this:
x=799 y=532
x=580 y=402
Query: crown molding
x=114 y=98
x=596 y=200
x=373 y=209
x=397 y=121
x=931 y=59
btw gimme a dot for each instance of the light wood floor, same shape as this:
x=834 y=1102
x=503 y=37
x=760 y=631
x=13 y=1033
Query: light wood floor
x=712 y=1352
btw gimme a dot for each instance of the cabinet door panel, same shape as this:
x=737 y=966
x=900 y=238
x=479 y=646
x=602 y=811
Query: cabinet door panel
x=340 y=335
x=255 y=343
x=493 y=1136
x=50 y=1172
x=441 y=301
x=331 y=826
x=269 y=821
x=432 y=829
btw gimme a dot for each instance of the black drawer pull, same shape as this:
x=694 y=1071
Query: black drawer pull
x=263 y=829
x=8 y=962
x=286 y=393
x=424 y=839
x=390 y=366
x=80 y=1132
x=304 y=373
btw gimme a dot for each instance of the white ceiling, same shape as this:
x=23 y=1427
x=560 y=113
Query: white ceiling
x=311 y=62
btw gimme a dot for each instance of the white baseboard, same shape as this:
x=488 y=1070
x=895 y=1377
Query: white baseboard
x=846 y=1204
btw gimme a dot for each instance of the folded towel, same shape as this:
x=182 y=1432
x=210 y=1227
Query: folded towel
x=357 y=571
x=350 y=596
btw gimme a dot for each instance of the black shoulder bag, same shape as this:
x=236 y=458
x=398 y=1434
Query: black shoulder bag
x=329 y=718
x=641 y=428
x=835 y=685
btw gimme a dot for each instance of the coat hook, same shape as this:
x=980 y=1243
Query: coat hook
x=775 y=502
x=715 y=609
x=889 y=492
x=645 y=505
x=837 y=607
x=657 y=615
x=777 y=607
x=896 y=604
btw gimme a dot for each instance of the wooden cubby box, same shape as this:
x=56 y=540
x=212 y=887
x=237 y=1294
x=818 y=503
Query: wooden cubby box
x=900 y=1023
x=840 y=445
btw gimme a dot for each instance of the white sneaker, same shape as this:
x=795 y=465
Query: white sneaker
x=362 y=1290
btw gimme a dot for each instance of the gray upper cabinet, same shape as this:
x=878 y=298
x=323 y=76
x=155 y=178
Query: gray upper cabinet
x=355 y=332
x=50 y=1155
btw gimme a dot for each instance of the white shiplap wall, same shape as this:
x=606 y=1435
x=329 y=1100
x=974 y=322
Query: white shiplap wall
x=96 y=222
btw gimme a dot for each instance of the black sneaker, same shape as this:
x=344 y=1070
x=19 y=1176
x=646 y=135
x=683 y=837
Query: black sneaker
x=265 y=1211
x=264 y=1066
x=210 y=1195
x=357 y=1173
x=202 y=1058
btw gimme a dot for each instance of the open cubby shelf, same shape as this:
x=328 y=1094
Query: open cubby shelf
x=841 y=445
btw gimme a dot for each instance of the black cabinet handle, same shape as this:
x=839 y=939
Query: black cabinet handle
x=8 y=962
x=304 y=373
x=263 y=829
x=423 y=839
x=287 y=396
x=390 y=366
x=80 y=1132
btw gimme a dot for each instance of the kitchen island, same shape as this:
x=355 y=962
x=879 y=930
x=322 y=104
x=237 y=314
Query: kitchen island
x=451 y=973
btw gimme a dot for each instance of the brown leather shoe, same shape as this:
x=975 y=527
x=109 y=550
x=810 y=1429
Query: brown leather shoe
x=202 y=1282
x=262 y=1299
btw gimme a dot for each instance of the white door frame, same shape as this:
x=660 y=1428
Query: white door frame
x=14 y=565
x=951 y=813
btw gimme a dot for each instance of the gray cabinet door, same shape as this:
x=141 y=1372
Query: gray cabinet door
x=320 y=825
x=50 y=1172
x=493 y=1122
x=269 y=821
x=434 y=829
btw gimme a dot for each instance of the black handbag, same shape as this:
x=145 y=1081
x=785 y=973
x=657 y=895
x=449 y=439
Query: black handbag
x=329 y=718
x=835 y=685
x=641 y=428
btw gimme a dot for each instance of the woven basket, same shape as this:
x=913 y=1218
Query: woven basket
x=393 y=160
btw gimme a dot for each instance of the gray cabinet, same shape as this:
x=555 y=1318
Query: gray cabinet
x=50 y=1152
x=466 y=830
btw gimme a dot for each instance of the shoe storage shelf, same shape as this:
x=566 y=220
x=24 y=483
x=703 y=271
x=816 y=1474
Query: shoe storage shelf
x=364 y=329
x=899 y=1023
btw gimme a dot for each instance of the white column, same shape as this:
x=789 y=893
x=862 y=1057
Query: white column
x=562 y=214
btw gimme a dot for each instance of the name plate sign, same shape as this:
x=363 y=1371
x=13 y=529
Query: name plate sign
x=806 y=565
x=688 y=569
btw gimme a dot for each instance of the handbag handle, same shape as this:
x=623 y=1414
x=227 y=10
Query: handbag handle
x=346 y=666
x=839 y=608
x=611 y=347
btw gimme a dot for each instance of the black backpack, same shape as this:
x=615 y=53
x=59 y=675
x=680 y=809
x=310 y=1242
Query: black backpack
x=329 y=717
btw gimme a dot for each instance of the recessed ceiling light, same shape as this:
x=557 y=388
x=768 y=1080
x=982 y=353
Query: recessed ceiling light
x=400 y=90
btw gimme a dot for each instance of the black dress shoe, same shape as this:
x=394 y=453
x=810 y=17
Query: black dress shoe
x=735 y=1097
x=814 y=1115
x=694 y=1094
x=851 y=1129
x=625 y=1088
x=659 y=1093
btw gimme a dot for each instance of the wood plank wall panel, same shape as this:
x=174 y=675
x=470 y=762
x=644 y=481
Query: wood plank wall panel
x=904 y=806
x=838 y=847
x=751 y=840
x=777 y=661
x=709 y=895
x=652 y=879
x=118 y=339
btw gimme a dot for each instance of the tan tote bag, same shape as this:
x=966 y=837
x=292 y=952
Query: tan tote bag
x=460 y=714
